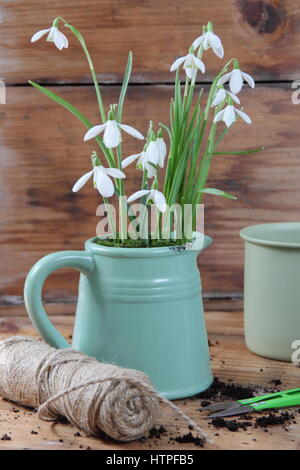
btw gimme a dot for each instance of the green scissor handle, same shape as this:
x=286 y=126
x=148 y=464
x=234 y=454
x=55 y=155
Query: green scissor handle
x=274 y=400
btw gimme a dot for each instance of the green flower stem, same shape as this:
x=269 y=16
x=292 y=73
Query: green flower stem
x=205 y=164
x=119 y=115
x=111 y=222
x=79 y=37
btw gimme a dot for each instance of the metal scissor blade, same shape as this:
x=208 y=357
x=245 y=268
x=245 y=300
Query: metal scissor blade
x=236 y=410
x=224 y=405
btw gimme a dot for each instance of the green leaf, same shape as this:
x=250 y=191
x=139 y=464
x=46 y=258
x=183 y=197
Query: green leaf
x=124 y=87
x=240 y=152
x=65 y=104
x=217 y=192
x=53 y=96
x=120 y=111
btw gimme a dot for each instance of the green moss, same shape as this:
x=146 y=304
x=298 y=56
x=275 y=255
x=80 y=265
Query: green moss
x=129 y=243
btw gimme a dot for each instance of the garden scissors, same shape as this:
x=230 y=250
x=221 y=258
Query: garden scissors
x=262 y=402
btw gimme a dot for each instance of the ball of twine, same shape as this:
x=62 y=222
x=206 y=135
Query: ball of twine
x=95 y=397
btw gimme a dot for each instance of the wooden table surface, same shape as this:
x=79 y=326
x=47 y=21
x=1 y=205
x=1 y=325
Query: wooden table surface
x=230 y=360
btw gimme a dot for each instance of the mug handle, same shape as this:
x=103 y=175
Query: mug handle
x=81 y=260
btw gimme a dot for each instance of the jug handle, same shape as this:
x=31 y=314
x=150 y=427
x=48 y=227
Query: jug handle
x=81 y=260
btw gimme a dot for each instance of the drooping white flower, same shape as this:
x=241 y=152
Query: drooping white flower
x=148 y=159
x=54 y=35
x=221 y=95
x=210 y=40
x=154 y=195
x=154 y=155
x=101 y=178
x=112 y=134
x=190 y=64
x=228 y=115
x=236 y=78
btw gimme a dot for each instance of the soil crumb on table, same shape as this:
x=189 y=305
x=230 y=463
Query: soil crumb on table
x=189 y=438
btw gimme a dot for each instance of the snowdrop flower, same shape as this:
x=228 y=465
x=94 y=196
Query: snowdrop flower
x=228 y=115
x=102 y=181
x=112 y=134
x=210 y=40
x=190 y=64
x=236 y=78
x=221 y=95
x=54 y=35
x=154 y=154
x=153 y=194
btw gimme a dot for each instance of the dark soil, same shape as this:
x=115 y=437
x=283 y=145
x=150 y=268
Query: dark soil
x=189 y=438
x=205 y=403
x=157 y=432
x=272 y=418
x=276 y=382
x=231 y=425
x=5 y=437
x=231 y=391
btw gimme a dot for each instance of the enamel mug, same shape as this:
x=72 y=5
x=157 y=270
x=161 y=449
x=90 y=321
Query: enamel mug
x=272 y=289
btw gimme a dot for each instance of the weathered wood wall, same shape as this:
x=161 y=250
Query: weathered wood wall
x=42 y=153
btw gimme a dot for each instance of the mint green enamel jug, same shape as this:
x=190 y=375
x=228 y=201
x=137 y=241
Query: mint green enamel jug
x=139 y=308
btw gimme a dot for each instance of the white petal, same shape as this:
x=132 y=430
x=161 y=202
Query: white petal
x=236 y=81
x=198 y=41
x=160 y=200
x=58 y=38
x=219 y=116
x=65 y=39
x=248 y=79
x=115 y=173
x=103 y=183
x=138 y=194
x=199 y=64
x=219 y=52
x=39 y=34
x=128 y=160
x=112 y=135
x=224 y=78
x=235 y=98
x=190 y=72
x=132 y=131
x=216 y=45
x=206 y=42
x=94 y=131
x=151 y=171
x=229 y=115
x=50 y=36
x=219 y=97
x=162 y=148
x=177 y=63
x=82 y=180
x=152 y=153
x=244 y=116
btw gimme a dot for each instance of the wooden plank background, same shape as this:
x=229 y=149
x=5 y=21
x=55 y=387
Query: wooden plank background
x=42 y=153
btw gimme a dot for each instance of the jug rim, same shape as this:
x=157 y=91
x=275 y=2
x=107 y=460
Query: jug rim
x=145 y=252
x=269 y=234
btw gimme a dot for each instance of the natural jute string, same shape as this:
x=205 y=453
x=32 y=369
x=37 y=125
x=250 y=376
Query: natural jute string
x=93 y=396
